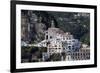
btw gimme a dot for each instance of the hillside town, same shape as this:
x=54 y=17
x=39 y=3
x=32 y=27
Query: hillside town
x=56 y=41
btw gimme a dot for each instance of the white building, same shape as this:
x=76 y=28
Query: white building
x=57 y=41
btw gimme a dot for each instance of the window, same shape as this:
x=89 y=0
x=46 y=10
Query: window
x=52 y=50
x=73 y=41
x=69 y=47
x=55 y=45
x=63 y=38
x=72 y=47
x=46 y=36
x=59 y=45
x=50 y=37
x=64 y=48
x=69 y=43
x=69 y=38
x=46 y=31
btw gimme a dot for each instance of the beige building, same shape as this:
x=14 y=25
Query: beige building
x=82 y=54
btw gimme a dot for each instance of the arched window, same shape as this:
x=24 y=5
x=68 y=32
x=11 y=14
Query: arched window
x=46 y=36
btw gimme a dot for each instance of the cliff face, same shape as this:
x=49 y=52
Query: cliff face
x=37 y=22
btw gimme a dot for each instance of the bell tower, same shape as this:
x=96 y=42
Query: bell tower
x=52 y=24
